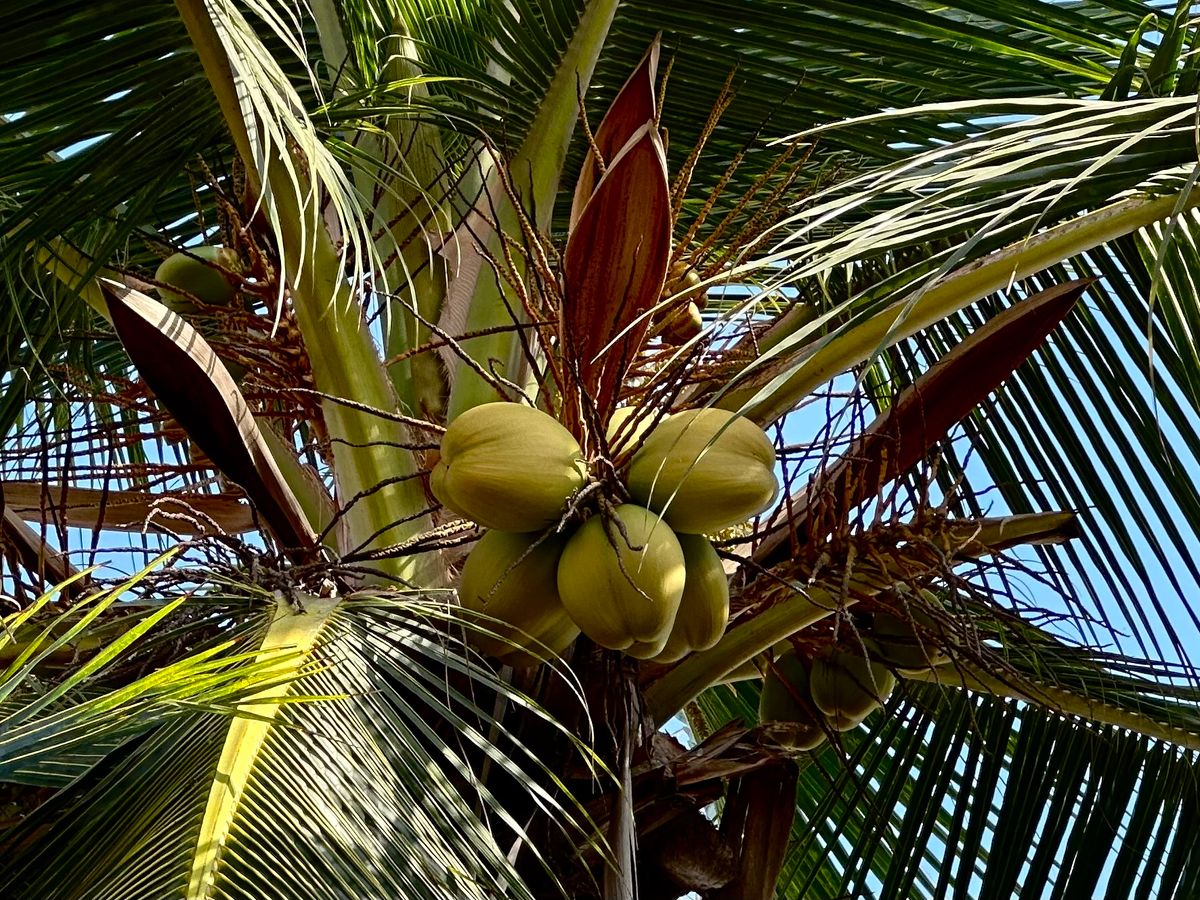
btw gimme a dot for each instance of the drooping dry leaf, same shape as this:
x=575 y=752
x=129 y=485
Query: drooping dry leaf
x=758 y=817
x=77 y=507
x=192 y=383
x=34 y=553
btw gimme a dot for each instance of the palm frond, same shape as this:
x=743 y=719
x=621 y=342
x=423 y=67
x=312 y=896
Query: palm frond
x=56 y=726
x=952 y=794
x=372 y=771
x=935 y=241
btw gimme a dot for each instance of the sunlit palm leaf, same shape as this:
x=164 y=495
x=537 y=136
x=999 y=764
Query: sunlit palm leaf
x=369 y=782
x=55 y=728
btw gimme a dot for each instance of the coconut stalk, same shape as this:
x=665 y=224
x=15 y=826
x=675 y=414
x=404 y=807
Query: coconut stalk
x=970 y=676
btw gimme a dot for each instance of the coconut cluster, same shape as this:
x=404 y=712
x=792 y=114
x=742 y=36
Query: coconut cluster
x=804 y=699
x=835 y=691
x=639 y=576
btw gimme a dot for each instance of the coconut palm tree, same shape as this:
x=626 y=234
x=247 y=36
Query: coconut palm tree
x=934 y=261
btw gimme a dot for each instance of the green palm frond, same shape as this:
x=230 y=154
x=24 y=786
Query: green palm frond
x=940 y=230
x=371 y=773
x=59 y=711
x=949 y=793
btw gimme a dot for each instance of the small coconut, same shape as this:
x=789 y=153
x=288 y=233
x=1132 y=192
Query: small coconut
x=683 y=324
x=204 y=282
x=908 y=643
x=785 y=705
x=847 y=687
x=684 y=281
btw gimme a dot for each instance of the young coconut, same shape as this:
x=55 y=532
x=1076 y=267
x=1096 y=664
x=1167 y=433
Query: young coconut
x=909 y=643
x=186 y=272
x=504 y=579
x=847 y=687
x=508 y=466
x=683 y=324
x=704 y=470
x=704 y=607
x=621 y=581
x=785 y=704
x=647 y=649
x=626 y=428
x=683 y=279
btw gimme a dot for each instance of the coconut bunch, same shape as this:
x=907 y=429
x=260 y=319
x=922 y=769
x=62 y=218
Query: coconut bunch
x=598 y=516
x=805 y=698
x=619 y=554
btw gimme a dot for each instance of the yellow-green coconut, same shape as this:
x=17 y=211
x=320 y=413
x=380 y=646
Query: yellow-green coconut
x=188 y=273
x=847 y=687
x=508 y=466
x=785 y=704
x=704 y=607
x=514 y=579
x=704 y=470
x=909 y=643
x=621 y=580
x=626 y=428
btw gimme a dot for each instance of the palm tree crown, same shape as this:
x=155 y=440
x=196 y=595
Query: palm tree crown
x=473 y=395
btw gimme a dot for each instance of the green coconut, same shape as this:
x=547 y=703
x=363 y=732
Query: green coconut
x=626 y=428
x=507 y=578
x=704 y=470
x=683 y=324
x=187 y=273
x=847 y=687
x=508 y=466
x=908 y=643
x=647 y=649
x=785 y=706
x=704 y=607
x=621 y=580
